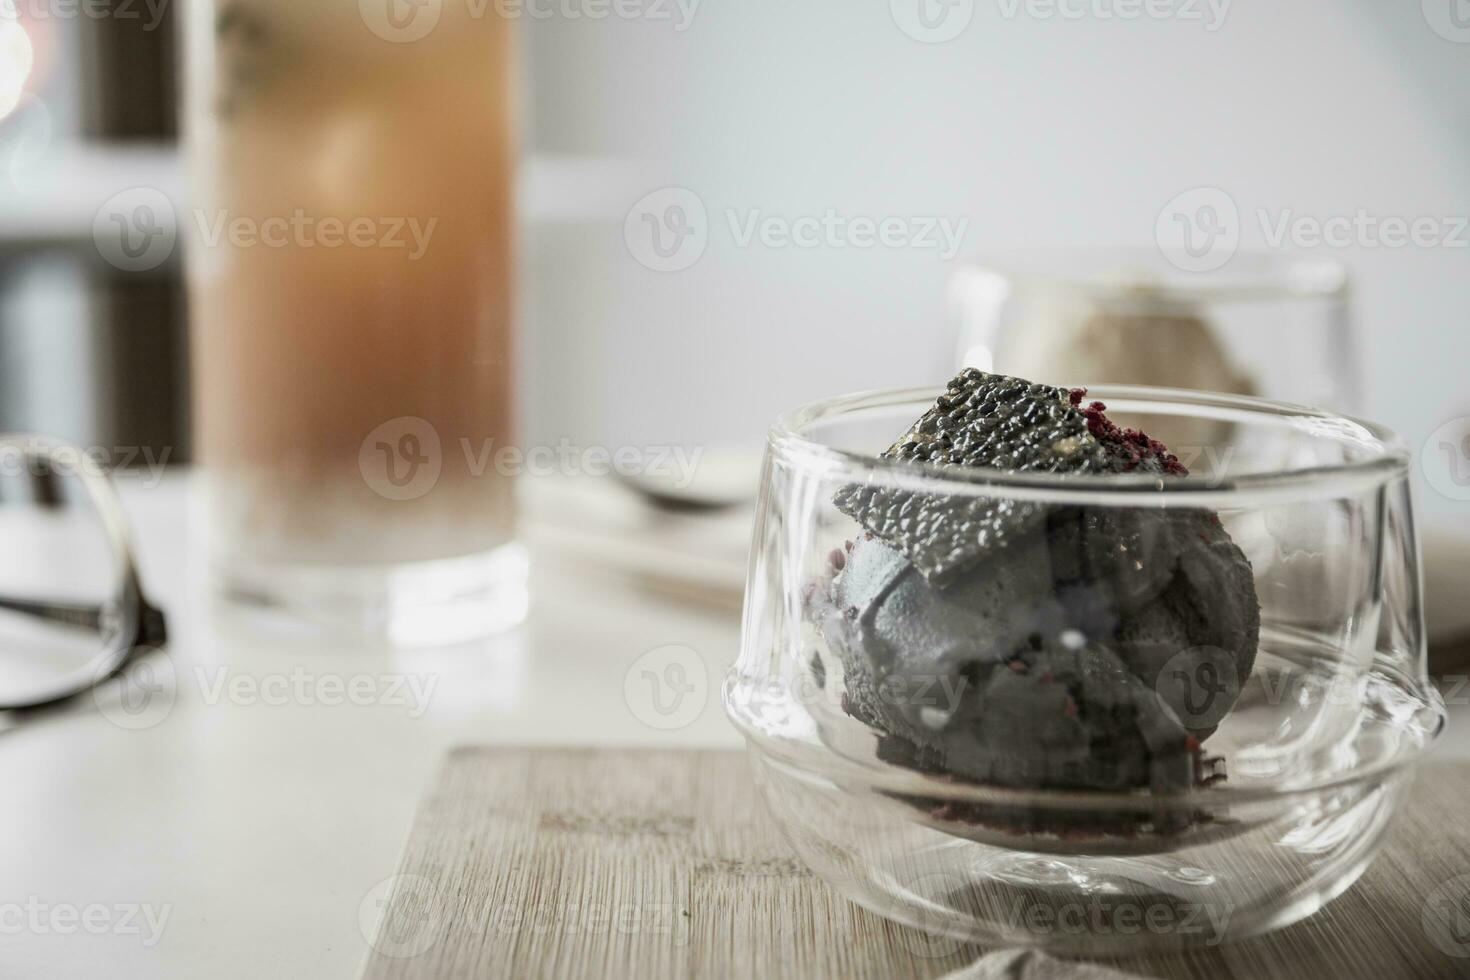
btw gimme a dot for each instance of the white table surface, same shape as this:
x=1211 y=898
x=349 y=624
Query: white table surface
x=261 y=830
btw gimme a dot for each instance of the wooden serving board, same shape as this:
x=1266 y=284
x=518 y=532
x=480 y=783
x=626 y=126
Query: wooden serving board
x=651 y=864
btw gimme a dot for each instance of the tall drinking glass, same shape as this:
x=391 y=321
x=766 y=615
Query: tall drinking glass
x=351 y=269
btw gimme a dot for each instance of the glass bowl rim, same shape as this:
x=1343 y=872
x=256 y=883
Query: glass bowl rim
x=790 y=442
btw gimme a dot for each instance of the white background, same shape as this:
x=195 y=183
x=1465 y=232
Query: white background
x=1042 y=131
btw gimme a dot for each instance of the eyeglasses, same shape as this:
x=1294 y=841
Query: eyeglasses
x=72 y=609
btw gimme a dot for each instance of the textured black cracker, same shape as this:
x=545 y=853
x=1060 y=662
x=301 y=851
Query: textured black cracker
x=985 y=421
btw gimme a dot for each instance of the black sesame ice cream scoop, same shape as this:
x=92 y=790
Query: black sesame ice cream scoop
x=1030 y=645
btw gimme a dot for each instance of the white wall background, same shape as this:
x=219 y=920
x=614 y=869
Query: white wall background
x=1041 y=131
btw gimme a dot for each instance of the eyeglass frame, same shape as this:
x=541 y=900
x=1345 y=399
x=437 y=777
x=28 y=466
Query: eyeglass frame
x=142 y=626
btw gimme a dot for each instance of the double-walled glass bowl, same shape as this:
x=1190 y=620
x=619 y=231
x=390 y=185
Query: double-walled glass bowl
x=1300 y=762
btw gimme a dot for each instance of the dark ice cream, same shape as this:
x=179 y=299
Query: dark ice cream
x=1035 y=645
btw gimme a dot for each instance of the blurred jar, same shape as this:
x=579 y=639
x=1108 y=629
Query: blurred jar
x=350 y=273
x=1275 y=328
x=1263 y=326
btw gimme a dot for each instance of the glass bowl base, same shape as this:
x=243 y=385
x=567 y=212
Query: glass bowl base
x=1284 y=867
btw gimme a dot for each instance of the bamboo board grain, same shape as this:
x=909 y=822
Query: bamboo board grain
x=651 y=864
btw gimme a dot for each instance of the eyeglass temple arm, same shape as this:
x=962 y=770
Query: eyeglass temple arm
x=152 y=626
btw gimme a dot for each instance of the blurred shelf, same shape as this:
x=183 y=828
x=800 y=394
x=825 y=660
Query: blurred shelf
x=55 y=201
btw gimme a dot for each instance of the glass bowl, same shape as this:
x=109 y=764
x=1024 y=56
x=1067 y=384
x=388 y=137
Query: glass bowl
x=922 y=761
